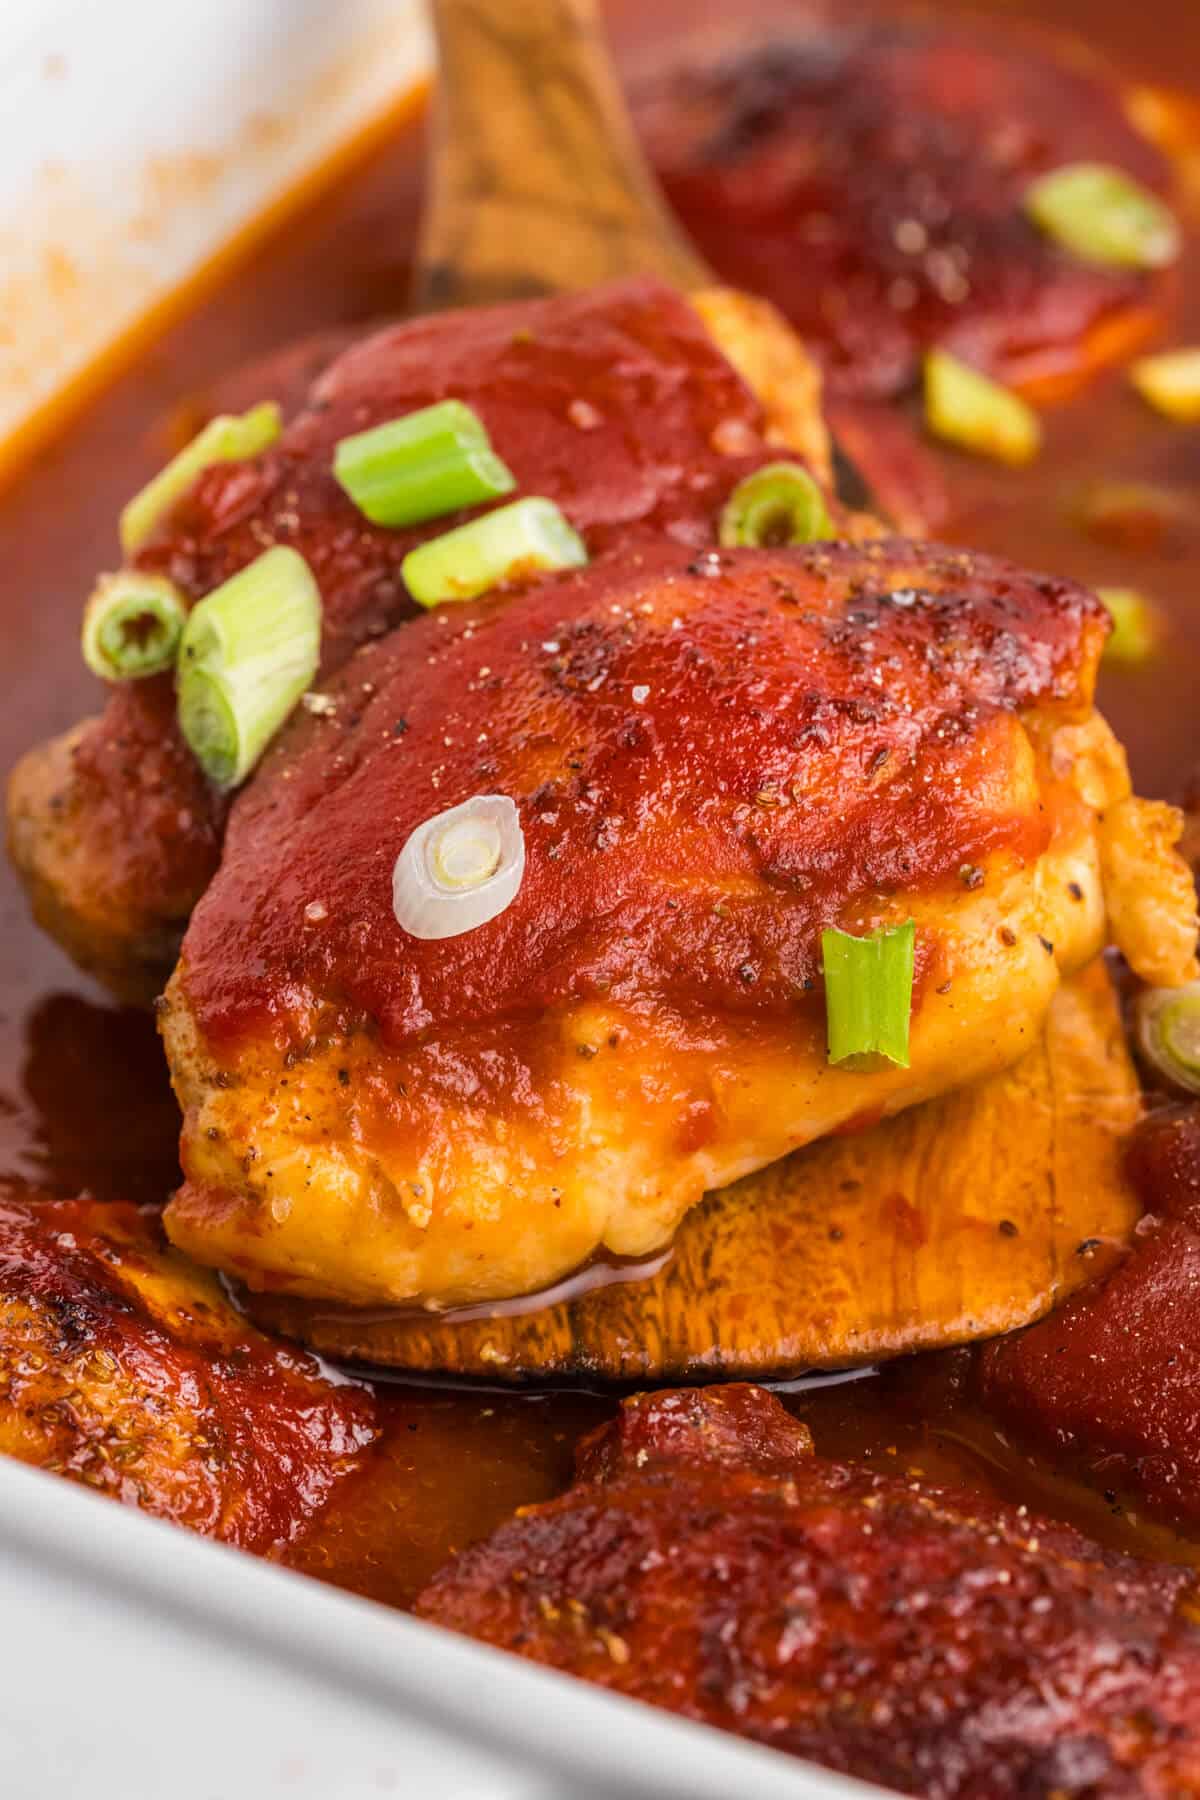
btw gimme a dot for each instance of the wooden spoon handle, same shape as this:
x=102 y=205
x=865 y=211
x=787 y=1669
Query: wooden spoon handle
x=536 y=180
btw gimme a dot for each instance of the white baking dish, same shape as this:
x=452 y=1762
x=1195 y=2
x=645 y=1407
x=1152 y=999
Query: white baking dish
x=137 y=137
x=140 y=1663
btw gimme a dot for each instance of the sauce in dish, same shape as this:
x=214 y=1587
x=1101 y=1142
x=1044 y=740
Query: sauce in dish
x=85 y=1106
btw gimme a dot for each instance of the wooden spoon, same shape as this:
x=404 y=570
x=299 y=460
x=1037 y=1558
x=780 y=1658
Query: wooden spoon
x=536 y=182
x=959 y=1219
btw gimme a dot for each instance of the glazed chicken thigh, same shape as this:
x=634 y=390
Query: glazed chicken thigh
x=712 y=758
x=868 y=176
x=1110 y=1383
x=706 y=1561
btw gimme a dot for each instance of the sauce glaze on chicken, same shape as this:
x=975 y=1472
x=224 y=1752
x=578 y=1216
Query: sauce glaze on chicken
x=125 y=1368
x=618 y=404
x=1030 y=1603
x=713 y=759
x=867 y=174
x=706 y=1560
x=1110 y=1382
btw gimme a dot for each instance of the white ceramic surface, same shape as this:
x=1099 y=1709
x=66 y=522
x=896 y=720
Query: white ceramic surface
x=137 y=136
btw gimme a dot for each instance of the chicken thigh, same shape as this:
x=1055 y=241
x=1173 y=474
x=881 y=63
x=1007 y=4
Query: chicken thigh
x=1109 y=1384
x=124 y=1368
x=712 y=758
x=707 y=1562
x=868 y=176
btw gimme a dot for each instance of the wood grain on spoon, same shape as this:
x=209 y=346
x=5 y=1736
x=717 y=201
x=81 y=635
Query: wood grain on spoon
x=536 y=182
x=960 y=1219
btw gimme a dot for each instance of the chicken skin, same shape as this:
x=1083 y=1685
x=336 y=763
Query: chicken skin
x=124 y=1368
x=868 y=176
x=708 y=1562
x=712 y=759
x=1110 y=1383
x=627 y=406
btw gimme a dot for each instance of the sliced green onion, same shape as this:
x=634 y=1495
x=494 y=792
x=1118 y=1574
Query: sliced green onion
x=1168 y=1030
x=421 y=466
x=966 y=408
x=1103 y=215
x=777 y=504
x=132 y=625
x=1170 y=382
x=227 y=438
x=460 y=869
x=527 y=537
x=249 y=650
x=868 y=992
x=1136 y=626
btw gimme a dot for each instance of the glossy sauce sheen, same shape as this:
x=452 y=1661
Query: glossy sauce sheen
x=707 y=1561
x=129 y=1371
x=1108 y=1382
x=83 y=1094
x=599 y=692
x=612 y=404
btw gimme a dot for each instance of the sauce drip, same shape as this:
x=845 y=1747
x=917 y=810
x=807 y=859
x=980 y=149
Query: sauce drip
x=84 y=1100
x=599 y=1271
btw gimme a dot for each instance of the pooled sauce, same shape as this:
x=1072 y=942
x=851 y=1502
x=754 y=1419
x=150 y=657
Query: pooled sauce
x=84 y=1099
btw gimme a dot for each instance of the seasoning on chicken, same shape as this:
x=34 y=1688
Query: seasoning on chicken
x=125 y=1368
x=624 y=406
x=1110 y=1383
x=707 y=1562
x=871 y=178
x=950 y=1222
x=705 y=764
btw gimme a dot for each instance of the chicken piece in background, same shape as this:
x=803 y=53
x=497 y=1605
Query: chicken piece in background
x=1109 y=1384
x=708 y=1562
x=868 y=176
